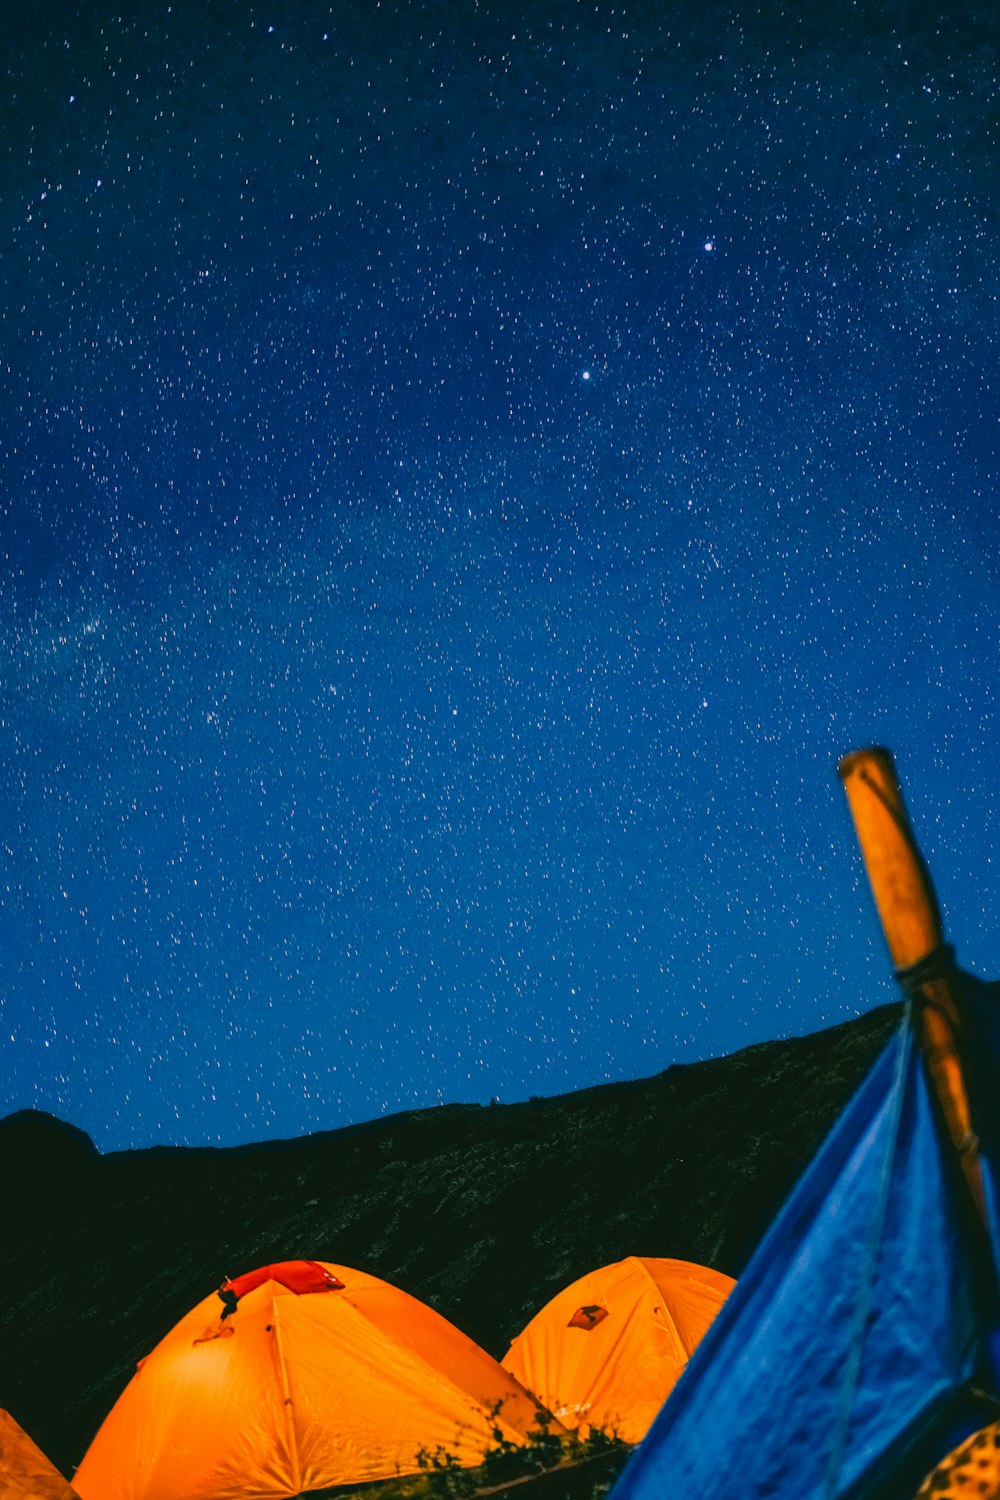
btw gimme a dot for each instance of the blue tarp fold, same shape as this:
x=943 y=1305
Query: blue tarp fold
x=856 y=1347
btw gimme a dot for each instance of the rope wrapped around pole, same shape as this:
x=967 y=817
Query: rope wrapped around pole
x=911 y=920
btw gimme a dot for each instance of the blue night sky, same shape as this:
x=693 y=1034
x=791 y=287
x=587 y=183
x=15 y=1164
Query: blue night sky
x=469 y=470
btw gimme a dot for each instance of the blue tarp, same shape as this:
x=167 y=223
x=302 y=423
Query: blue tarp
x=856 y=1347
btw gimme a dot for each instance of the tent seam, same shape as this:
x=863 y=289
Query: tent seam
x=286 y=1396
x=685 y=1354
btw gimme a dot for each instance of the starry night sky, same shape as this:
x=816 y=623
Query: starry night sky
x=469 y=470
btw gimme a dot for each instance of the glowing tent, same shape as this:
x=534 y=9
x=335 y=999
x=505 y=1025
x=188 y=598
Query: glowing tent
x=297 y=1390
x=25 y=1472
x=608 y=1349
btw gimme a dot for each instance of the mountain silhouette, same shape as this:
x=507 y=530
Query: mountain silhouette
x=482 y=1211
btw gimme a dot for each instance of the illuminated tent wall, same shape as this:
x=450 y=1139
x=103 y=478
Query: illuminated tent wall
x=25 y=1472
x=300 y=1389
x=607 y=1350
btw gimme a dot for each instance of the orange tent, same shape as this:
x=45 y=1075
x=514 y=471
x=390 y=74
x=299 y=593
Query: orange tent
x=25 y=1472
x=608 y=1350
x=294 y=1391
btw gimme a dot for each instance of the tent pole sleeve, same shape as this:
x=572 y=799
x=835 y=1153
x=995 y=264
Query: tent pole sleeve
x=286 y=1396
x=911 y=920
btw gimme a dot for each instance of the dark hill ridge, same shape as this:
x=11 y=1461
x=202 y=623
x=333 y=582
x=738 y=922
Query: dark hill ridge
x=483 y=1212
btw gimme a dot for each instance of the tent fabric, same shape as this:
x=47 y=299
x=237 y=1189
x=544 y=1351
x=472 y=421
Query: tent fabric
x=970 y=1472
x=296 y=1393
x=299 y=1276
x=848 y=1358
x=25 y=1472
x=606 y=1351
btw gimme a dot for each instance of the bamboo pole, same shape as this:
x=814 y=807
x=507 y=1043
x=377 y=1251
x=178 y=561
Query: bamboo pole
x=911 y=920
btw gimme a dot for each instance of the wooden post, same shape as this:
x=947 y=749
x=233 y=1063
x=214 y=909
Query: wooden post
x=911 y=921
